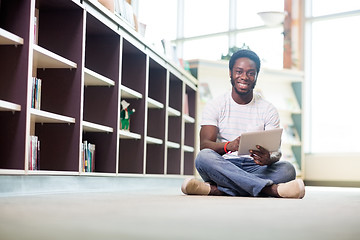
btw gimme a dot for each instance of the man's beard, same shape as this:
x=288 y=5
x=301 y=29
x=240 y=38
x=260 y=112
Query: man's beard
x=242 y=93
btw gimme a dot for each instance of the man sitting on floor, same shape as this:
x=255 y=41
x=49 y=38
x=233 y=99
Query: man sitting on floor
x=223 y=121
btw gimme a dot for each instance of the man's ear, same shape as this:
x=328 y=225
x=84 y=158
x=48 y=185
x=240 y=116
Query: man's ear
x=229 y=73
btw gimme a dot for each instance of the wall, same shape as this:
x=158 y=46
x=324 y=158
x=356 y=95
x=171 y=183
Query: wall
x=333 y=169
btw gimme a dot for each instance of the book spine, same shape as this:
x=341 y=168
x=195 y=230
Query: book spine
x=33 y=92
x=86 y=156
x=34 y=153
x=36 y=93
x=39 y=94
x=30 y=154
x=38 y=156
x=82 y=158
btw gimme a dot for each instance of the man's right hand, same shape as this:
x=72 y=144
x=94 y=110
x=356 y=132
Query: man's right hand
x=233 y=146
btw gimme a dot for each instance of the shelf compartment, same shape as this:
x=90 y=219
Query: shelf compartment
x=8 y=106
x=93 y=127
x=173 y=165
x=128 y=135
x=45 y=59
x=8 y=38
x=154 y=104
x=155 y=159
x=189 y=158
x=92 y=78
x=129 y=93
x=40 y=116
x=152 y=140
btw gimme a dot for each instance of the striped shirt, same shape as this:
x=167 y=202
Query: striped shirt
x=233 y=119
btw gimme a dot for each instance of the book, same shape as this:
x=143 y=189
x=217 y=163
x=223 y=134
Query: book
x=34 y=153
x=186 y=104
x=36 y=26
x=36 y=93
x=87 y=157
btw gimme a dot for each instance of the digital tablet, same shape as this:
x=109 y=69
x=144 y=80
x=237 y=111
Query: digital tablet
x=269 y=139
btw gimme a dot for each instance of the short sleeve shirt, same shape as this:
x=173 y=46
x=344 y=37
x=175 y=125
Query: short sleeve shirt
x=233 y=119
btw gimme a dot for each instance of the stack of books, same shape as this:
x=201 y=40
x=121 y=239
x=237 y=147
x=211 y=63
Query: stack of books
x=36 y=93
x=34 y=153
x=88 y=157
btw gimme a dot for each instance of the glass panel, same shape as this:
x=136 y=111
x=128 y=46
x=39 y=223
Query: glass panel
x=205 y=16
x=269 y=51
x=247 y=11
x=335 y=85
x=160 y=18
x=324 y=7
x=208 y=48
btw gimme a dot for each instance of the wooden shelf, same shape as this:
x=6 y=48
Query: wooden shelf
x=8 y=106
x=92 y=78
x=281 y=75
x=154 y=104
x=172 y=145
x=173 y=112
x=129 y=135
x=189 y=119
x=40 y=116
x=129 y=93
x=7 y=38
x=93 y=127
x=152 y=140
x=188 y=149
x=45 y=59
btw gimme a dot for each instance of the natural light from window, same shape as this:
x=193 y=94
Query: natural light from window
x=334 y=88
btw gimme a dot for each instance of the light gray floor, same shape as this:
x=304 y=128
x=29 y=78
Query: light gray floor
x=165 y=213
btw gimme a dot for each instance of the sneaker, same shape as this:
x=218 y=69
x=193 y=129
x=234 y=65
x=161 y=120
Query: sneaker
x=292 y=189
x=192 y=186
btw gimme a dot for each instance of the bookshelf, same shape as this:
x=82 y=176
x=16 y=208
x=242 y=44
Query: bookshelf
x=89 y=60
x=282 y=87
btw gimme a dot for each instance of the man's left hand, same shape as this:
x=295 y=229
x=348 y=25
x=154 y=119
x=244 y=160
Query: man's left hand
x=261 y=156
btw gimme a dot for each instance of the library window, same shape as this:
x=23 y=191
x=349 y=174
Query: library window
x=332 y=92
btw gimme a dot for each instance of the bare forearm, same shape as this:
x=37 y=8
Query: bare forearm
x=216 y=146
